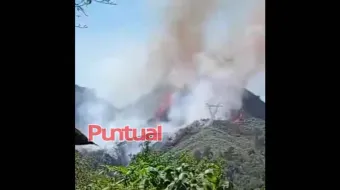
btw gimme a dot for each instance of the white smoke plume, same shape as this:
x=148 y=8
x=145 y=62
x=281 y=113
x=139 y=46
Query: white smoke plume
x=215 y=64
x=183 y=57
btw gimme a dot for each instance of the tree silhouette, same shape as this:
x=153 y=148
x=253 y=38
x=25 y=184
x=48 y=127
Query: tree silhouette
x=80 y=6
x=81 y=139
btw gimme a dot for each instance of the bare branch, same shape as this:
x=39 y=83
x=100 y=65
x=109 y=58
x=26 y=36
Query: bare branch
x=82 y=3
x=109 y=2
x=81 y=9
x=79 y=6
x=81 y=26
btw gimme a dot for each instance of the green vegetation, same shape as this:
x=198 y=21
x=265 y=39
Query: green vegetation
x=153 y=170
x=243 y=152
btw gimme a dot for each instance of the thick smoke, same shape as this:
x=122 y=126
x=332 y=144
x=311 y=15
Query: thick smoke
x=184 y=54
x=216 y=75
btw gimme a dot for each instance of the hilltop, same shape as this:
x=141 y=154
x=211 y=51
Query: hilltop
x=241 y=145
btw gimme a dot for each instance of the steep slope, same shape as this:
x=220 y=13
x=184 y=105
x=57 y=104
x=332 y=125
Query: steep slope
x=253 y=105
x=242 y=146
x=146 y=105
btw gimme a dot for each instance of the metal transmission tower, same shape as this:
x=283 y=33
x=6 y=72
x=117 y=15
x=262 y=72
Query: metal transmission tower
x=212 y=112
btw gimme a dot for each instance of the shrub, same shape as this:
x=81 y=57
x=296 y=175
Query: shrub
x=152 y=170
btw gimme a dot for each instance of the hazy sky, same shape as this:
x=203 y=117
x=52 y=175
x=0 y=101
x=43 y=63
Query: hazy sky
x=116 y=42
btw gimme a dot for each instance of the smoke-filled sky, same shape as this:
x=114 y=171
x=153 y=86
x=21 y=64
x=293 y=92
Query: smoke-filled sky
x=115 y=46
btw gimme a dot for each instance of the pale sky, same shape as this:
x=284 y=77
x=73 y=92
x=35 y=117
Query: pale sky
x=116 y=42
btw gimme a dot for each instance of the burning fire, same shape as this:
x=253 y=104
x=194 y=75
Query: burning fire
x=239 y=118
